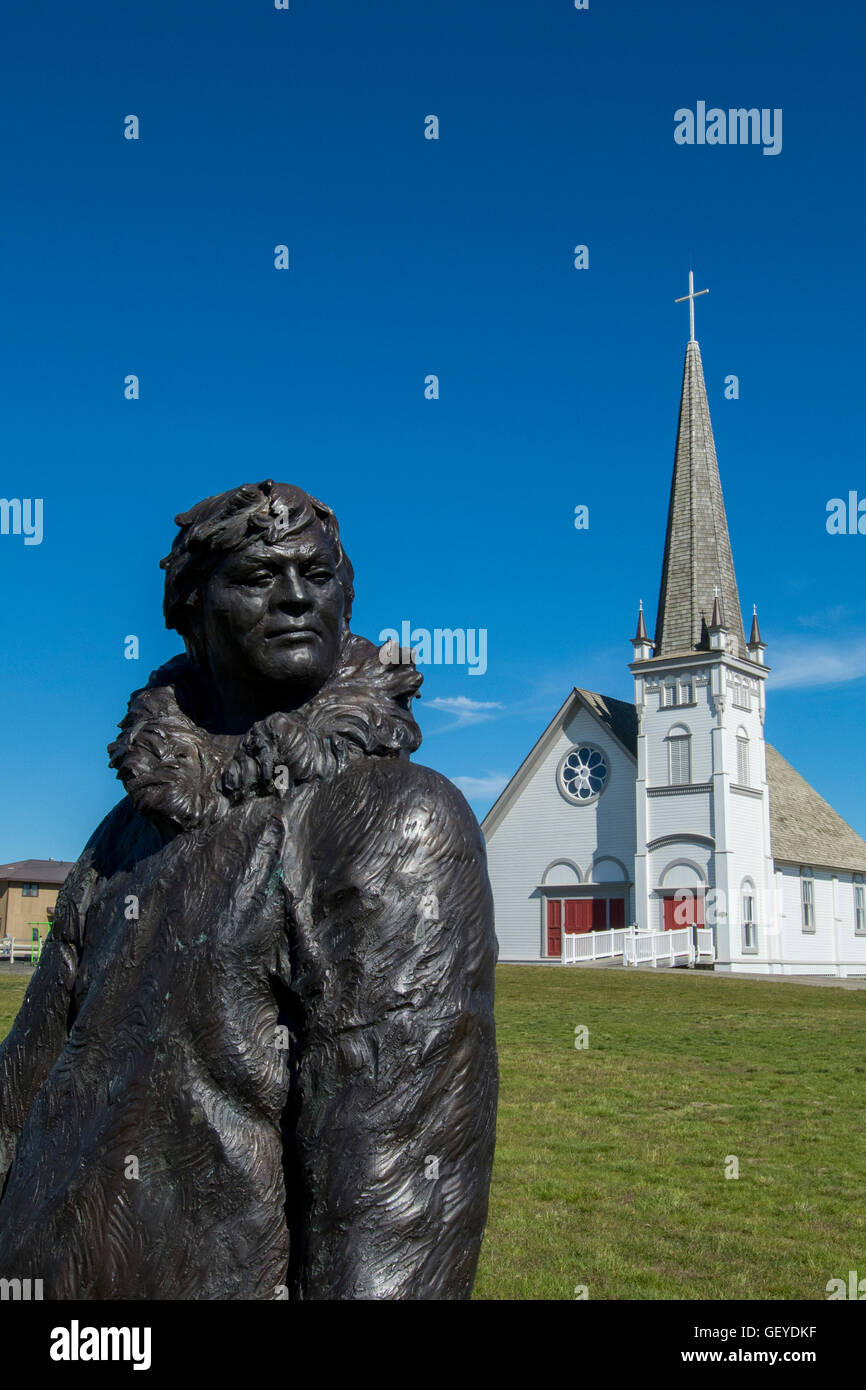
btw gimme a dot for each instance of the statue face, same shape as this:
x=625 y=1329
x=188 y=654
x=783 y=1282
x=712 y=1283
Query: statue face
x=272 y=616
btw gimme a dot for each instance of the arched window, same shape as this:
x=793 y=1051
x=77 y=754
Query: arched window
x=561 y=872
x=807 y=899
x=679 y=742
x=859 y=905
x=742 y=757
x=747 y=908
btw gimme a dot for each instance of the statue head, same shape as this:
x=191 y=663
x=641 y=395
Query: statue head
x=258 y=585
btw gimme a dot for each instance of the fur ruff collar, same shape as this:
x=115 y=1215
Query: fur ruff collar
x=182 y=776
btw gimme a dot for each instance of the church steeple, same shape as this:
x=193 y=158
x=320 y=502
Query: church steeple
x=698 y=565
x=700 y=705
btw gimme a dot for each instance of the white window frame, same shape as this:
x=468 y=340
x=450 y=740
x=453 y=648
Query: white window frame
x=807 y=901
x=859 y=907
x=743 y=769
x=680 y=736
x=677 y=690
x=750 y=926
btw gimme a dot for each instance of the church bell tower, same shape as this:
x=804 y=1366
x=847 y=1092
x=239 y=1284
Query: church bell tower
x=703 y=823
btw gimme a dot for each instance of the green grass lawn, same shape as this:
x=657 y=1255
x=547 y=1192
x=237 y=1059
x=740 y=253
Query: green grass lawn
x=12 y=988
x=610 y=1162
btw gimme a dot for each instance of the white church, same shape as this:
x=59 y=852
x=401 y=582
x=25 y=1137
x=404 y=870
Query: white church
x=673 y=812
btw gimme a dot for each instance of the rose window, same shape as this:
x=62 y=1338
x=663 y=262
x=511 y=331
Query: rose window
x=583 y=773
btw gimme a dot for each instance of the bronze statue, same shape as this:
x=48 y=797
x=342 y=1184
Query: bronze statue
x=257 y=1057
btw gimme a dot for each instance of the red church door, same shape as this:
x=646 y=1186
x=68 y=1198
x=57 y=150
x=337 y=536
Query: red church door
x=578 y=915
x=554 y=927
x=599 y=914
x=617 y=913
x=685 y=910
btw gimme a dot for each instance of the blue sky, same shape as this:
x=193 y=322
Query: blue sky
x=409 y=257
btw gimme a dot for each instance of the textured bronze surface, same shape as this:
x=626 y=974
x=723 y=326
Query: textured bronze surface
x=257 y=1058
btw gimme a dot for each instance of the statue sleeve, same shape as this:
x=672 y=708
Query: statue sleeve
x=41 y=1027
x=390 y=1146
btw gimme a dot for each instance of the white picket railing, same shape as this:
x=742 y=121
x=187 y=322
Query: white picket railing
x=706 y=945
x=651 y=947
x=18 y=948
x=639 y=946
x=593 y=945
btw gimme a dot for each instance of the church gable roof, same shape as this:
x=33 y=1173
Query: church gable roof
x=804 y=828
x=617 y=716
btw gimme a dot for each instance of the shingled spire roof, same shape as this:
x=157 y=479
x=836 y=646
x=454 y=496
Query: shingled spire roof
x=698 y=561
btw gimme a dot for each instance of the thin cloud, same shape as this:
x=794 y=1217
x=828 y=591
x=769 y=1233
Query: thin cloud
x=818 y=664
x=828 y=617
x=465 y=711
x=482 y=788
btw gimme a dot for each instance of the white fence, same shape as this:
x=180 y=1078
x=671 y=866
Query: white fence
x=593 y=945
x=640 y=947
x=16 y=948
x=706 y=945
x=650 y=947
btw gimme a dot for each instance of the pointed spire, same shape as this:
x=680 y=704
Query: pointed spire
x=757 y=646
x=642 y=643
x=716 y=621
x=698 y=563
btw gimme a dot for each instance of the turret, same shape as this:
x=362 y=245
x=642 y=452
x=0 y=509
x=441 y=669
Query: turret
x=643 y=646
x=755 y=646
x=717 y=630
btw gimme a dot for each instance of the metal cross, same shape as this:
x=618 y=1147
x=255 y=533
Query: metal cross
x=691 y=297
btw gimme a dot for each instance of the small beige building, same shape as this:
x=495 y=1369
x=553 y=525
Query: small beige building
x=28 y=892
